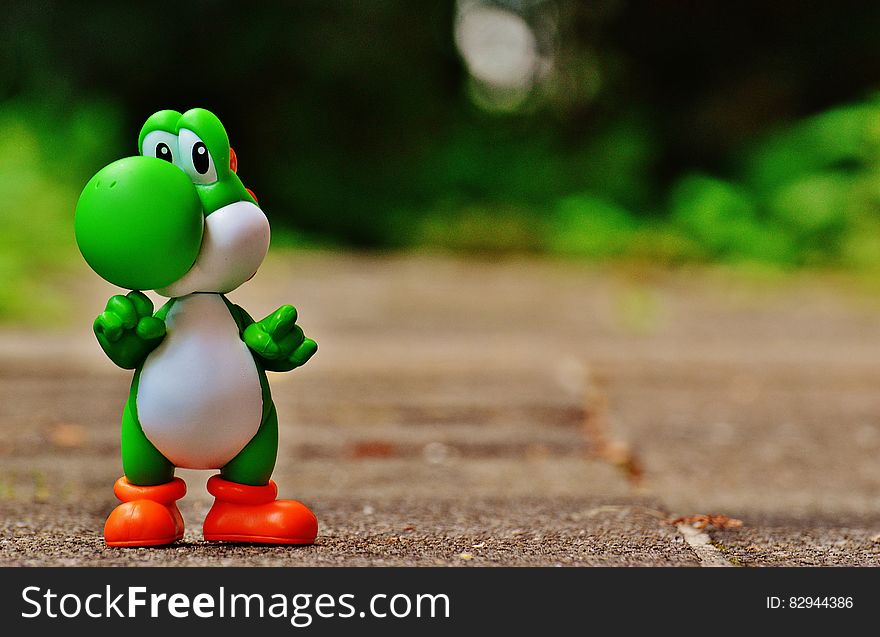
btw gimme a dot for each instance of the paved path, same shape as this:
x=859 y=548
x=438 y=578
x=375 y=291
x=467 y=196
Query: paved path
x=476 y=413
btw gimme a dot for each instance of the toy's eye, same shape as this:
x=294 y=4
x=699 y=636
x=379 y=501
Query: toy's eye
x=162 y=145
x=201 y=158
x=196 y=159
x=163 y=152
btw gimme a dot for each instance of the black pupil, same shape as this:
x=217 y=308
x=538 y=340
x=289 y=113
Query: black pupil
x=163 y=152
x=201 y=160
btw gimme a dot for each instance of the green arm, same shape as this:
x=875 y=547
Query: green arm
x=278 y=344
x=128 y=330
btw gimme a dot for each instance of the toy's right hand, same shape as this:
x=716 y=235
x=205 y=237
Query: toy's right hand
x=127 y=329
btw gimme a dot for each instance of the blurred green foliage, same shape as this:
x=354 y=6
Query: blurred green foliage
x=666 y=132
x=44 y=159
x=808 y=194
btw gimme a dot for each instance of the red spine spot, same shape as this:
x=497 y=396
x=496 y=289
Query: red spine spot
x=233 y=166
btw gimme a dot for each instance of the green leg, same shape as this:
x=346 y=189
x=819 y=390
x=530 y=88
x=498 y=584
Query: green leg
x=254 y=464
x=141 y=461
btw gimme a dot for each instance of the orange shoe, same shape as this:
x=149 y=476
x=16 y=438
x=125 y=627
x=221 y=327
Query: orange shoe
x=243 y=513
x=148 y=516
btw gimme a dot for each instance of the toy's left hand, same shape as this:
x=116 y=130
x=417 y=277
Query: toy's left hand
x=279 y=340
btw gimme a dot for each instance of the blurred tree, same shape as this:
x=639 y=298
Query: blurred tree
x=397 y=123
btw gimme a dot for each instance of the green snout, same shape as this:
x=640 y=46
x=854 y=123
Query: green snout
x=139 y=223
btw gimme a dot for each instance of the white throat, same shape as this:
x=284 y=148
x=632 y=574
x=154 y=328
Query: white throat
x=235 y=242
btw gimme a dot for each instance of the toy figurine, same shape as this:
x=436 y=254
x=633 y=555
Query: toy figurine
x=176 y=219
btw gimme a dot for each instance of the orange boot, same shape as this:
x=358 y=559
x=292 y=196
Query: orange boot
x=148 y=516
x=243 y=513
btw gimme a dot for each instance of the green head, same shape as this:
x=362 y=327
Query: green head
x=197 y=143
x=176 y=218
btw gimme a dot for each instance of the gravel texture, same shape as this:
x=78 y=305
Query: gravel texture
x=514 y=412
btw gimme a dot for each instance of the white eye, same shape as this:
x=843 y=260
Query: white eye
x=195 y=158
x=163 y=145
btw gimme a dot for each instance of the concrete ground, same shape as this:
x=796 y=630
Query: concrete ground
x=464 y=412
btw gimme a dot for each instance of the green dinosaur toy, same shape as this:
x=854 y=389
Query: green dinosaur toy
x=176 y=219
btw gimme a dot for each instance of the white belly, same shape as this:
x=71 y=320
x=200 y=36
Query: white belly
x=199 y=399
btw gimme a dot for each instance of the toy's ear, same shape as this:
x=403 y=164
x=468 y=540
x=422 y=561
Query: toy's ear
x=161 y=121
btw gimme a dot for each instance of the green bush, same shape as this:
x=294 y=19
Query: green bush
x=589 y=226
x=44 y=160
